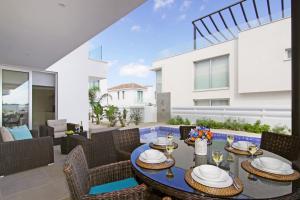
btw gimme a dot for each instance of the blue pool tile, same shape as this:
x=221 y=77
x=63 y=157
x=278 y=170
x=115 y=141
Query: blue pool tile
x=161 y=131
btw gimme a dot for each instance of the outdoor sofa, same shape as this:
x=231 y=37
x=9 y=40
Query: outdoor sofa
x=20 y=155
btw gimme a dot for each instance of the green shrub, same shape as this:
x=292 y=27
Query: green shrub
x=179 y=121
x=187 y=122
x=235 y=125
x=281 y=129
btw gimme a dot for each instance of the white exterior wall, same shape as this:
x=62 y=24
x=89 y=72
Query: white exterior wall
x=129 y=100
x=259 y=75
x=261 y=54
x=149 y=96
x=74 y=71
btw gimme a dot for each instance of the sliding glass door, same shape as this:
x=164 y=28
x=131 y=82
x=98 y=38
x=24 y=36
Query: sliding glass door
x=15 y=98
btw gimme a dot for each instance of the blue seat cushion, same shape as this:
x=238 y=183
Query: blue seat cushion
x=113 y=186
x=20 y=132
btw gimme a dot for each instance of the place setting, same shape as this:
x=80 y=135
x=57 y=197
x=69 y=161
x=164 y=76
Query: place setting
x=160 y=143
x=242 y=147
x=271 y=168
x=155 y=159
x=213 y=180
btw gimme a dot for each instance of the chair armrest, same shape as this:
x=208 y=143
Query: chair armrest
x=34 y=133
x=71 y=127
x=111 y=172
x=46 y=131
x=139 y=192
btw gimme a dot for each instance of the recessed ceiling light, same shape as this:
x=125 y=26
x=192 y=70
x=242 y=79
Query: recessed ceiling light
x=62 y=5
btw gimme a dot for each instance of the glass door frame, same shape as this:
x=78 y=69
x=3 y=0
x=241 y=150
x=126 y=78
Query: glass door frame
x=18 y=69
x=29 y=71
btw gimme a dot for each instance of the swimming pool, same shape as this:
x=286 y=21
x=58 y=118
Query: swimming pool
x=149 y=134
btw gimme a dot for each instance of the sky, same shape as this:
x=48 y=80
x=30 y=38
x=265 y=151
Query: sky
x=156 y=29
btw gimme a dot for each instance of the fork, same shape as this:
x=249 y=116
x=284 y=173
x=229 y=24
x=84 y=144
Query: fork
x=235 y=184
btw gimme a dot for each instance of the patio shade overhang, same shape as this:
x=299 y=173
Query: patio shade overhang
x=226 y=23
x=36 y=33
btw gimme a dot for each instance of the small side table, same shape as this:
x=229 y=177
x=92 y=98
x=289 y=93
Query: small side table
x=66 y=142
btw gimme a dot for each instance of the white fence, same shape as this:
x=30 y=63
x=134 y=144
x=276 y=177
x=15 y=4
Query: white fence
x=148 y=113
x=268 y=115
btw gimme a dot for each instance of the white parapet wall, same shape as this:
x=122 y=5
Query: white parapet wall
x=267 y=115
x=148 y=113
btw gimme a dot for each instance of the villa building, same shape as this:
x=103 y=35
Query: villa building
x=253 y=70
x=131 y=94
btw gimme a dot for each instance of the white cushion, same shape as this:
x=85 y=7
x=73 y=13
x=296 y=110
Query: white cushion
x=59 y=134
x=6 y=135
x=58 y=125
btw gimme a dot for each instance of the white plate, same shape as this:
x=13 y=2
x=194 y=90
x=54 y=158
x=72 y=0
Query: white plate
x=161 y=160
x=160 y=141
x=222 y=184
x=272 y=163
x=217 y=174
x=151 y=154
x=283 y=171
x=241 y=145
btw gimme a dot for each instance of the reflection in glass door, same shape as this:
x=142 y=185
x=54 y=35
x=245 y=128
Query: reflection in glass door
x=15 y=98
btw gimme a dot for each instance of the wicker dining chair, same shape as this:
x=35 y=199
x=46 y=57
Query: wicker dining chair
x=80 y=178
x=286 y=146
x=125 y=142
x=184 y=131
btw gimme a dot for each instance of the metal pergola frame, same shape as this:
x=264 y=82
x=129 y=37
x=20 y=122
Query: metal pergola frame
x=217 y=28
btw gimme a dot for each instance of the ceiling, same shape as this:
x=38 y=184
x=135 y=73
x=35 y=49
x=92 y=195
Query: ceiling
x=37 y=33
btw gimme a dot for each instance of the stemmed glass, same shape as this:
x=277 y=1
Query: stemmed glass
x=170 y=137
x=230 y=140
x=169 y=149
x=252 y=150
x=217 y=157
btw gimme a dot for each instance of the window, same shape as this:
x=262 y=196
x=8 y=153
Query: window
x=158 y=81
x=118 y=95
x=140 y=96
x=288 y=54
x=94 y=83
x=123 y=94
x=211 y=102
x=212 y=73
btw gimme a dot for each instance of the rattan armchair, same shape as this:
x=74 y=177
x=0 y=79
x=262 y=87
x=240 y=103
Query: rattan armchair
x=184 y=131
x=286 y=146
x=80 y=178
x=125 y=142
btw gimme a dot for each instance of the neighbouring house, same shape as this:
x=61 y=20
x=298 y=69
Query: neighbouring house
x=131 y=94
x=252 y=70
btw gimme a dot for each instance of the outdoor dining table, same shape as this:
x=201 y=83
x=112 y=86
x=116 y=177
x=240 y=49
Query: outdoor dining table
x=185 y=159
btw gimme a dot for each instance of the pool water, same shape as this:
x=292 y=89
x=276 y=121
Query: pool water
x=150 y=134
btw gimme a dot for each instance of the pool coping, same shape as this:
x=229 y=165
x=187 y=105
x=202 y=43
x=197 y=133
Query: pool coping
x=216 y=131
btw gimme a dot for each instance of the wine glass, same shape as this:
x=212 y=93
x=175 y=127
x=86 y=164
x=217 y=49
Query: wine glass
x=252 y=148
x=217 y=157
x=170 y=137
x=169 y=149
x=230 y=139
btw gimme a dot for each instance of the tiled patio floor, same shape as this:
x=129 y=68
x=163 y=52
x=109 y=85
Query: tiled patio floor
x=44 y=183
